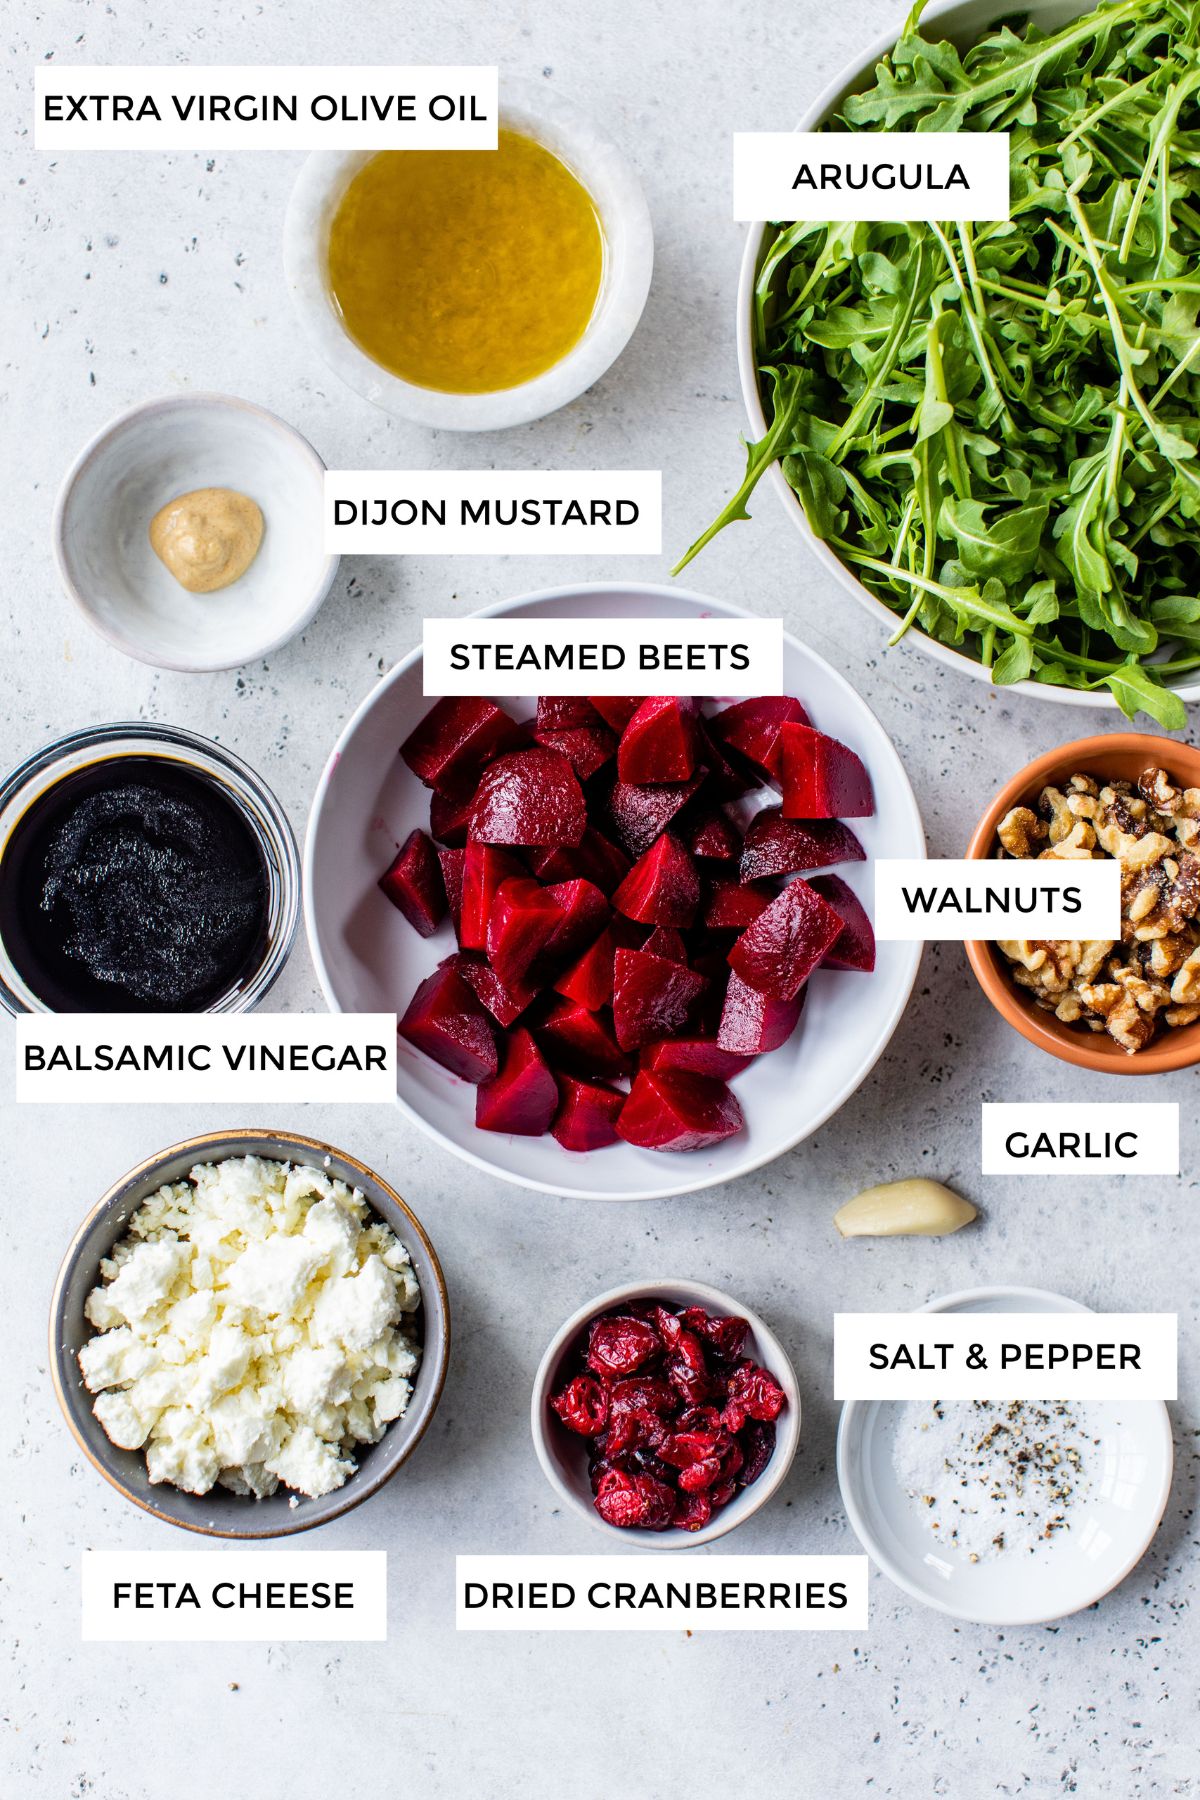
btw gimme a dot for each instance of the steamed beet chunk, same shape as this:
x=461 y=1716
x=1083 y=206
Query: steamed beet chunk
x=564 y=712
x=729 y=777
x=413 y=883
x=485 y=870
x=452 y=863
x=530 y=797
x=523 y=917
x=715 y=837
x=776 y=845
x=697 y=1056
x=753 y=1024
x=456 y=738
x=587 y=1114
x=660 y=741
x=615 y=712
x=506 y=1004
x=450 y=816
x=674 y=1110
x=638 y=812
x=580 y=1041
x=446 y=1021
x=652 y=997
x=777 y=954
x=585 y=913
x=522 y=1098
x=594 y=858
x=586 y=747
x=822 y=779
x=854 y=948
x=589 y=980
x=751 y=728
x=662 y=888
x=732 y=905
x=664 y=940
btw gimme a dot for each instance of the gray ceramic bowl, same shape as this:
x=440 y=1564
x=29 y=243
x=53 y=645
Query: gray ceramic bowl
x=220 y=1513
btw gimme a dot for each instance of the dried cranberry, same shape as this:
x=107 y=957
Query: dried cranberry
x=582 y=1406
x=699 y=1418
x=670 y=1326
x=626 y=1500
x=619 y=1346
x=643 y=1393
x=757 y=1444
x=755 y=1392
x=726 y=1336
x=721 y=1496
x=700 y=1475
x=692 y=1511
x=682 y=1448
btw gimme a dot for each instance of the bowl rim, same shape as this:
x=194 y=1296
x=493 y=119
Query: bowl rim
x=968 y=1300
x=849 y=76
x=295 y=1521
x=96 y=446
x=1167 y=1055
x=619 y=590
x=775 y=1359
x=619 y=303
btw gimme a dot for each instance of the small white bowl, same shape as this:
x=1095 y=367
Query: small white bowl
x=591 y=155
x=369 y=959
x=961 y=24
x=563 y=1454
x=1112 y=1526
x=146 y=458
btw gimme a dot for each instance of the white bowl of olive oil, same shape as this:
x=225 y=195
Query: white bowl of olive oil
x=470 y=290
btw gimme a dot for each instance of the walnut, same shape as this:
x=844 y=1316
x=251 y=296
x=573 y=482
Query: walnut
x=1020 y=830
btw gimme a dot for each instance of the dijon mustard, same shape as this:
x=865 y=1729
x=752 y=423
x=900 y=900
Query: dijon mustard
x=208 y=538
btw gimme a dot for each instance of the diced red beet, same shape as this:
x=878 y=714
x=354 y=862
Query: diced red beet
x=714 y=836
x=855 y=947
x=753 y=1023
x=585 y=913
x=662 y=888
x=727 y=778
x=413 y=883
x=589 y=980
x=751 y=728
x=587 y=1114
x=580 y=1041
x=446 y=1021
x=456 y=738
x=651 y=997
x=664 y=940
x=822 y=779
x=660 y=741
x=506 y=1004
x=615 y=712
x=522 y=1098
x=522 y=918
x=698 y=1055
x=452 y=863
x=779 y=952
x=705 y=1016
x=485 y=870
x=639 y=812
x=675 y=1110
x=594 y=858
x=730 y=906
x=530 y=797
x=586 y=747
x=778 y=846
x=563 y=712
x=450 y=815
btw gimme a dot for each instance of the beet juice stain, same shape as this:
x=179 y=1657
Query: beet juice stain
x=133 y=885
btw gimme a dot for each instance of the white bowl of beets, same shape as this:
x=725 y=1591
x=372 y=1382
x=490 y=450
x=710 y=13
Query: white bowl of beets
x=665 y=1413
x=628 y=941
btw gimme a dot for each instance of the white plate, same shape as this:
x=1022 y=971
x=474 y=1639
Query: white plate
x=1111 y=1526
x=963 y=25
x=369 y=959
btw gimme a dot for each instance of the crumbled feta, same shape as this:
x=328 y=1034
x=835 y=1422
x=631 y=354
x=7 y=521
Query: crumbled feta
x=251 y=1329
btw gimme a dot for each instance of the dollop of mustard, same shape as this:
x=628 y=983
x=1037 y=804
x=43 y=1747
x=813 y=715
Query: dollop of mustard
x=208 y=538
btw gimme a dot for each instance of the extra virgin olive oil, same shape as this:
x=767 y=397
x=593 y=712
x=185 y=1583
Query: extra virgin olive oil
x=133 y=884
x=467 y=271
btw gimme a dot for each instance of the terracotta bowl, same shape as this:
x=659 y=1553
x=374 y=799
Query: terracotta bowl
x=1122 y=755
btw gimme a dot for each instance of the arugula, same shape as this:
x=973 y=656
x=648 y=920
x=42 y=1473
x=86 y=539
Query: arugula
x=996 y=426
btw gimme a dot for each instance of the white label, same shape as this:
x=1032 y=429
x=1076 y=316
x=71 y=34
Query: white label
x=648 y=1592
x=787 y=175
x=193 y=107
x=488 y=512
x=1129 y=1137
x=523 y=657
x=234 y=1596
x=939 y=898
x=1004 y=1356
x=104 y=1059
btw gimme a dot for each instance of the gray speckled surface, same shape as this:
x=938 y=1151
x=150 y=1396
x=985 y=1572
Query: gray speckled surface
x=128 y=276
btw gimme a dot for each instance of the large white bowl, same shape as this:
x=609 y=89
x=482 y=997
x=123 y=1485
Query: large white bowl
x=600 y=165
x=368 y=959
x=1111 y=1528
x=962 y=25
x=563 y=1454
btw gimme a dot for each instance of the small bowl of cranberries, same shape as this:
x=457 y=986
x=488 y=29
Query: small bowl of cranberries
x=665 y=1411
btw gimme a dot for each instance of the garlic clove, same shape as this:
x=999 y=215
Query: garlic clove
x=913 y=1208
